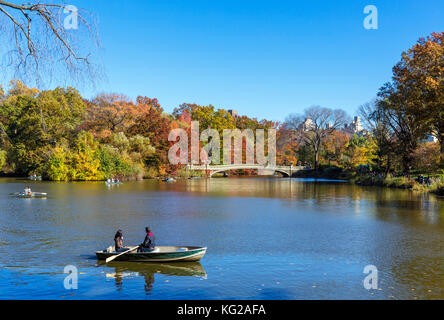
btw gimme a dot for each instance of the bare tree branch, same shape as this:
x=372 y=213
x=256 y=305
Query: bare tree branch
x=43 y=47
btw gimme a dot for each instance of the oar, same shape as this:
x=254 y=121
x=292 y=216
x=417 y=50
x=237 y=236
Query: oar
x=39 y=194
x=120 y=254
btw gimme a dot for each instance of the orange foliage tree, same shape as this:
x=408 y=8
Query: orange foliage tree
x=154 y=124
x=110 y=113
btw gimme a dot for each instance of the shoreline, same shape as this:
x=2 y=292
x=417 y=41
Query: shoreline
x=436 y=187
x=403 y=183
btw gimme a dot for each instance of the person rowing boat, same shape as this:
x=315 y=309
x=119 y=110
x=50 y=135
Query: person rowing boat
x=27 y=191
x=113 y=181
x=148 y=244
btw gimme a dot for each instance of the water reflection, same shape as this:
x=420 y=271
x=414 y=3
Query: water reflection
x=121 y=270
x=322 y=232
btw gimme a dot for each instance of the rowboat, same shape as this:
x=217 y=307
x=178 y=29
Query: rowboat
x=161 y=254
x=112 y=183
x=32 y=195
x=169 y=180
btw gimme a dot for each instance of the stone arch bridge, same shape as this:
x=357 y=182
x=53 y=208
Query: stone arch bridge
x=212 y=170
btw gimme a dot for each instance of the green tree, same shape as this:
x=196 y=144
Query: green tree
x=360 y=150
x=57 y=167
x=2 y=159
x=85 y=162
x=113 y=163
x=62 y=111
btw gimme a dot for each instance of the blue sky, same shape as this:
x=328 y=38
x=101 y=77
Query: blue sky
x=266 y=59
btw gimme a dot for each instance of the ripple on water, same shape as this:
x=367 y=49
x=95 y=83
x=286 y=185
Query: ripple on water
x=266 y=239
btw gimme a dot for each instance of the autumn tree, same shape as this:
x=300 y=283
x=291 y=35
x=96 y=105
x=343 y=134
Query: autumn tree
x=314 y=126
x=110 y=113
x=334 y=146
x=154 y=124
x=62 y=110
x=426 y=157
x=3 y=155
x=85 y=163
x=29 y=115
x=57 y=168
x=359 y=150
x=377 y=123
x=419 y=79
x=405 y=126
x=208 y=116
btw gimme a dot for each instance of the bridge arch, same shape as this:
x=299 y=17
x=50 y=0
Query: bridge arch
x=285 y=173
x=212 y=173
x=212 y=170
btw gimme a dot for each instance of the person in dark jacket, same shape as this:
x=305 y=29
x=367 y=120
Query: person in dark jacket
x=118 y=242
x=148 y=244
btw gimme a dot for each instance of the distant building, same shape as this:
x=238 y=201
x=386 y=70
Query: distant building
x=355 y=127
x=233 y=113
x=308 y=125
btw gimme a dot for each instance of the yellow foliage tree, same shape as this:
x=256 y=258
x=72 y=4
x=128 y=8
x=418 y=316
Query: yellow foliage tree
x=85 y=164
x=360 y=150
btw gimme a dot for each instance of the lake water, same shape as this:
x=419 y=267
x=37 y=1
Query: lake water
x=266 y=238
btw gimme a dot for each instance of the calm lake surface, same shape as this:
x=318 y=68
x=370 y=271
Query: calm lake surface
x=266 y=238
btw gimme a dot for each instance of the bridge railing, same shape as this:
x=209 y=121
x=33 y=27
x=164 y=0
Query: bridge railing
x=244 y=166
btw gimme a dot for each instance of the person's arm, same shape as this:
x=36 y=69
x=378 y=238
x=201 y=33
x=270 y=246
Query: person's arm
x=145 y=243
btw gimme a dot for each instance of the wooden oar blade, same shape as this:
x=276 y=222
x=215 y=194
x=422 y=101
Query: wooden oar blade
x=120 y=254
x=110 y=259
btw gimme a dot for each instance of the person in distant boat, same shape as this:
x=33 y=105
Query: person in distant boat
x=28 y=191
x=148 y=244
x=118 y=241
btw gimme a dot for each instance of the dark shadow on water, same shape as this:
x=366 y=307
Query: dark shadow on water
x=120 y=270
x=88 y=257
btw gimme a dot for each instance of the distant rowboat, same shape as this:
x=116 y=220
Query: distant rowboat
x=32 y=195
x=161 y=254
x=108 y=183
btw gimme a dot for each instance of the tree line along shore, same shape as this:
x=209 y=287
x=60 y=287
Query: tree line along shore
x=61 y=136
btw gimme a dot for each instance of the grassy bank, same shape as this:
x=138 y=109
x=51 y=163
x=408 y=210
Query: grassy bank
x=436 y=183
x=335 y=173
